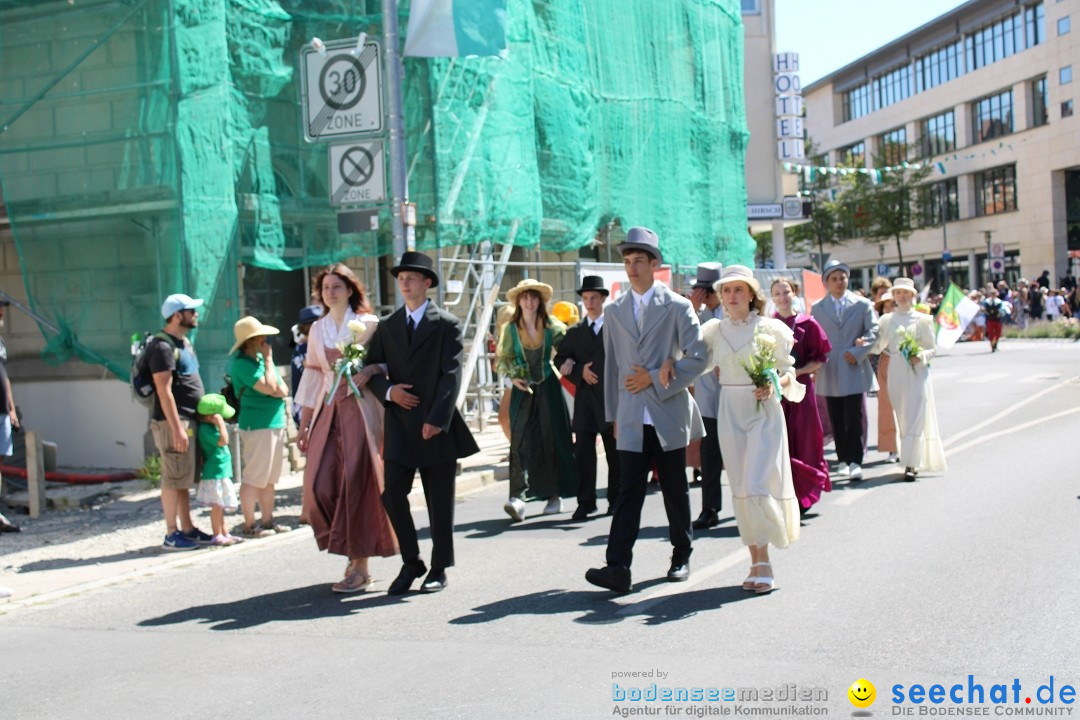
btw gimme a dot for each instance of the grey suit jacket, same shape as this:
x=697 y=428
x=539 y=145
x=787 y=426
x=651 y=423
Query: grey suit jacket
x=671 y=331
x=836 y=377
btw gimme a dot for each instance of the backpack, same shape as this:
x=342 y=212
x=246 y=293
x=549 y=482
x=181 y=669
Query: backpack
x=993 y=310
x=142 y=380
x=232 y=398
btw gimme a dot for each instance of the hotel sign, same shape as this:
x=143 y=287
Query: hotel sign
x=789 y=106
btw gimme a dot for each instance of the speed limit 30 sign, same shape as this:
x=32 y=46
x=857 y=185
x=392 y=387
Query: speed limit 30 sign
x=341 y=90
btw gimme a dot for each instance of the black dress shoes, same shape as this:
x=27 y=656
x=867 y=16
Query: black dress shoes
x=434 y=582
x=707 y=519
x=583 y=511
x=909 y=474
x=612 y=577
x=679 y=571
x=410 y=571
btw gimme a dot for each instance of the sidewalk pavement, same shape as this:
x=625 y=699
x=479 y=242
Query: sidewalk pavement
x=111 y=533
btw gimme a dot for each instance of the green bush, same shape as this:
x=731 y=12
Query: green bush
x=1066 y=328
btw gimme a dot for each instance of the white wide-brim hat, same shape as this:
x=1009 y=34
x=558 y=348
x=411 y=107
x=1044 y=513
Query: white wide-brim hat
x=738 y=273
x=904 y=284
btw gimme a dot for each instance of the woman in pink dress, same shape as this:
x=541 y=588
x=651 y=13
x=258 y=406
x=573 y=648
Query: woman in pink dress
x=342 y=434
x=806 y=445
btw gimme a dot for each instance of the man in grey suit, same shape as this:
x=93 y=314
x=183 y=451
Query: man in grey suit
x=843 y=380
x=707 y=397
x=655 y=417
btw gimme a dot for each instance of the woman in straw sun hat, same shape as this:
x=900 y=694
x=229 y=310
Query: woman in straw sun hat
x=541 y=454
x=342 y=434
x=908 y=337
x=260 y=394
x=750 y=422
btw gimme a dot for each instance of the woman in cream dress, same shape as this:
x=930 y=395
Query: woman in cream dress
x=750 y=422
x=910 y=389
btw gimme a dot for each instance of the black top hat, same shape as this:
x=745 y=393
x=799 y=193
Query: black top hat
x=417 y=262
x=641 y=238
x=594 y=283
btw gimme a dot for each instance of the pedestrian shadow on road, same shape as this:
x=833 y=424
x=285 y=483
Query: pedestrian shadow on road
x=660 y=532
x=499 y=525
x=298 y=604
x=64 y=563
x=598 y=607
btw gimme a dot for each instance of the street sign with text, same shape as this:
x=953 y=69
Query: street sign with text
x=341 y=90
x=357 y=173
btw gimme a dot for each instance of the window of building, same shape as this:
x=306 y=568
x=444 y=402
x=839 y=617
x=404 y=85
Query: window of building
x=1067 y=109
x=938 y=134
x=939 y=66
x=1035 y=24
x=1063 y=25
x=995 y=190
x=992 y=117
x=751 y=7
x=892 y=87
x=1039 y=116
x=893 y=146
x=854 y=155
x=1065 y=75
x=857 y=102
x=935 y=197
x=995 y=41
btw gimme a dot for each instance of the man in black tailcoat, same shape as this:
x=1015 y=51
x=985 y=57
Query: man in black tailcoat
x=581 y=359
x=421 y=348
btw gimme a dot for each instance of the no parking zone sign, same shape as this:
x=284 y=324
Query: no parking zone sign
x=341 y=89
x=357 y=173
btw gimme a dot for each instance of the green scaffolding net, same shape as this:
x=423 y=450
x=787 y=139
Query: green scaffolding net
x=155 y=146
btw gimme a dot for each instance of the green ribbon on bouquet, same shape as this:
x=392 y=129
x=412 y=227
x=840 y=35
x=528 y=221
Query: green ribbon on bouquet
x=347 y=371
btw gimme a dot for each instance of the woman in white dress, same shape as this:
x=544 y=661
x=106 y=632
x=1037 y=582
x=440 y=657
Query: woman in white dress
x=910 y=389
x=750 y=421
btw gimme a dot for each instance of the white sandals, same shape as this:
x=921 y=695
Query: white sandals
x=757 y=584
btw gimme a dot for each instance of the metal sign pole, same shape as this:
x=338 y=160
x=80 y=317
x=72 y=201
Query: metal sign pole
x=399 y=191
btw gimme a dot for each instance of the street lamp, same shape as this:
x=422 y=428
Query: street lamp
x=987 y=234
x=946 y=256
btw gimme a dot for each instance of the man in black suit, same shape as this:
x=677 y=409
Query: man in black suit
x=581 y=359
x=420 y=346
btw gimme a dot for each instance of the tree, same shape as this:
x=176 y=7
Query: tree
x=888 y=208
x=823 y=228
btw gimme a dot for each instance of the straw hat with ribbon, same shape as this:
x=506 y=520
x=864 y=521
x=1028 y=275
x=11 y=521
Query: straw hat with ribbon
x=247 y=328
x=542 y=289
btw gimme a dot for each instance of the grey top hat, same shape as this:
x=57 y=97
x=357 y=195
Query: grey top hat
x=832 y=266
x=594 y=283
x=641 y=238
x=707 y=274
x=416 y=262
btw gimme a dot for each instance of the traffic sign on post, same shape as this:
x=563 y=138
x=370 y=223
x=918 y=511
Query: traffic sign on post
x=341 y=89
x=357 y=173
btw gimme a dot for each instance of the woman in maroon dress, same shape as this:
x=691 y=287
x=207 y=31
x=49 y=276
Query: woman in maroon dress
x=341 y=433
x=809 y=471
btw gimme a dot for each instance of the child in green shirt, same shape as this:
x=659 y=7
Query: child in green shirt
x=216 y=487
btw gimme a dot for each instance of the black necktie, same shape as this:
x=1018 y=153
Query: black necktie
x=409 y=327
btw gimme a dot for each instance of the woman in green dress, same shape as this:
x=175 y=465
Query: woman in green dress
x=541 y=451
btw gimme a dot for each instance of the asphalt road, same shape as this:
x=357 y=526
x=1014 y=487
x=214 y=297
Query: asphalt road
x=973 y=572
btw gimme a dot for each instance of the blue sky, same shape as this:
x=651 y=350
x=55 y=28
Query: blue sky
x=829 y=34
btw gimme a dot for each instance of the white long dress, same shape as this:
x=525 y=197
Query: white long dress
x=911 y=390
x=754 y=440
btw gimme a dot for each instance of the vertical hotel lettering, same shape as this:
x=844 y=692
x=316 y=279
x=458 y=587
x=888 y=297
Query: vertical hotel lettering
x=789 y=106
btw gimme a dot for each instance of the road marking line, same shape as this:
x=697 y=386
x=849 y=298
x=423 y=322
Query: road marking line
x=663 y=592
x=1009 y=431
x=1008 y=411
x=851 y=496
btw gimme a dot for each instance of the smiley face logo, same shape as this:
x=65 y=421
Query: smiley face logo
x=862 y=693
